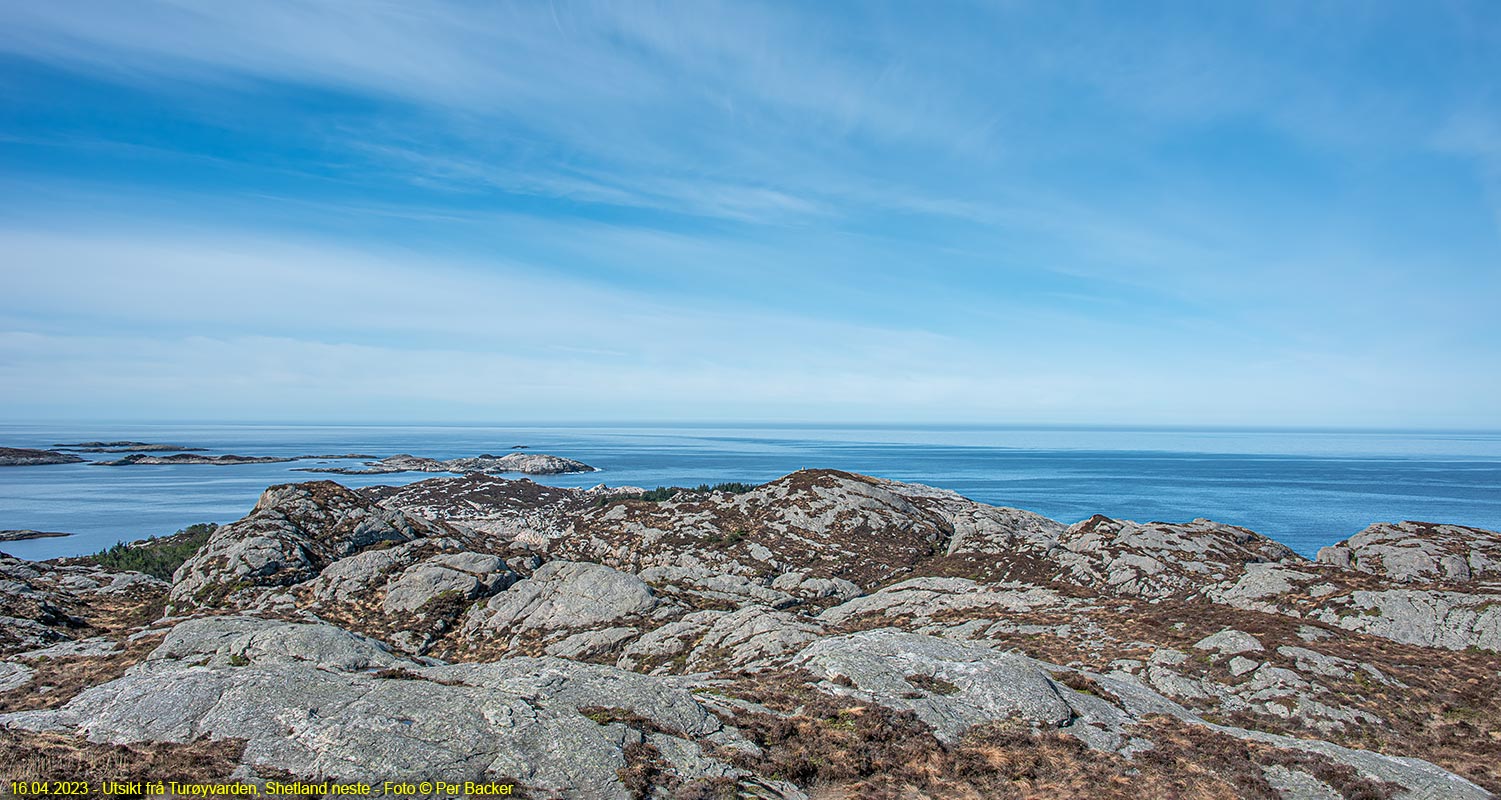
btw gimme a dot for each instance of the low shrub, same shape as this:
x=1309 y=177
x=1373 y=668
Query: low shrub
x=159 y=557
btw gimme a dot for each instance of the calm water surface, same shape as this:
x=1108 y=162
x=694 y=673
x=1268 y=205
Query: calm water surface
x=1304 y=488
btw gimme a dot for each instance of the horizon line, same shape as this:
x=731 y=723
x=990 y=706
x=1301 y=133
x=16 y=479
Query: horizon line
x=751 y=424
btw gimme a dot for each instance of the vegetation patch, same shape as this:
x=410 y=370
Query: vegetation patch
x=158 y=557
x=665 y=493
x=840 y=749
x=606 y=715
x=30 y=756
x=932 y=684
x=70 y=675
x=445 y=605
x=404 y=674
x=645 y=770
x=1080 y=682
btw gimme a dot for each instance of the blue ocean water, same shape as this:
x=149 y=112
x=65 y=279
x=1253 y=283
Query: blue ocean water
x=1304 y=488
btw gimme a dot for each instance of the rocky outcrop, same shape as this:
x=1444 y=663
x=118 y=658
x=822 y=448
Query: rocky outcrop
x=1451 y=620
x=1400 y=611
x=562 y=726
x=240 y=641
x=25 y=457
x=1159 y=560
x=928 y=599
x=750 y=638
x=563 y=597
x=43 y=604
x=462 y=576
x=822 y=524
x=294 y=531
x=525 y=463
x=1420 y=552
x=825 y=631
x=953 y=687
x=322 y=713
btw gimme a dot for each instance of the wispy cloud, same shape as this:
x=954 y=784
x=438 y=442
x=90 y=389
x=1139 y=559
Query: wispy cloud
x=993 y=210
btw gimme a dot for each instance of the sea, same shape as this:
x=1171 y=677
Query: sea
x=1305 y=488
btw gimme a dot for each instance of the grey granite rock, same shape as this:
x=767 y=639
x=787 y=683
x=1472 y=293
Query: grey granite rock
x=1240 y=665
x=800 y=585
x=514 y=720
x=749 y=637
x=294 y=531
x=1420 y=552
x=1159 y=560
x=465 y=575
x=92 y=647
x=563 y=595
x=588 y=644
x=925 y=598
x=714 y=585
x=988 y=685
x=14 y=676
x=1295 y=784
x=355 y=577
x=1230 y=642
x=238 y=640
x=1432 y=618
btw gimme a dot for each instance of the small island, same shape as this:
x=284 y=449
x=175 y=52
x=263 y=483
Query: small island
x=26 y=457
x=525 y=463
x=126 y=447
x=188 y=458
x=25 y=534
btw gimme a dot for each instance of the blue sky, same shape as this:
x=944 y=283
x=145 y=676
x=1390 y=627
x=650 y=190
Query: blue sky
x=1282 y=213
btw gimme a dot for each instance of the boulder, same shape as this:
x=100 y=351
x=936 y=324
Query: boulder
x=1230 y=642
x=14 y=676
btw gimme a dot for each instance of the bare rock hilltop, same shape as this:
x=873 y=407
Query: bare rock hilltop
x=824 y=635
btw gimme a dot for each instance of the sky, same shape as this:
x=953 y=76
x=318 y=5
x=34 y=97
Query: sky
x=1259 y=214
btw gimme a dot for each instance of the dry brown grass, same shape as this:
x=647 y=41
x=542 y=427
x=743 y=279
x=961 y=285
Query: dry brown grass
x=837 y=747
x=54 y=757
x=69 y=676
x=1448 y=712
